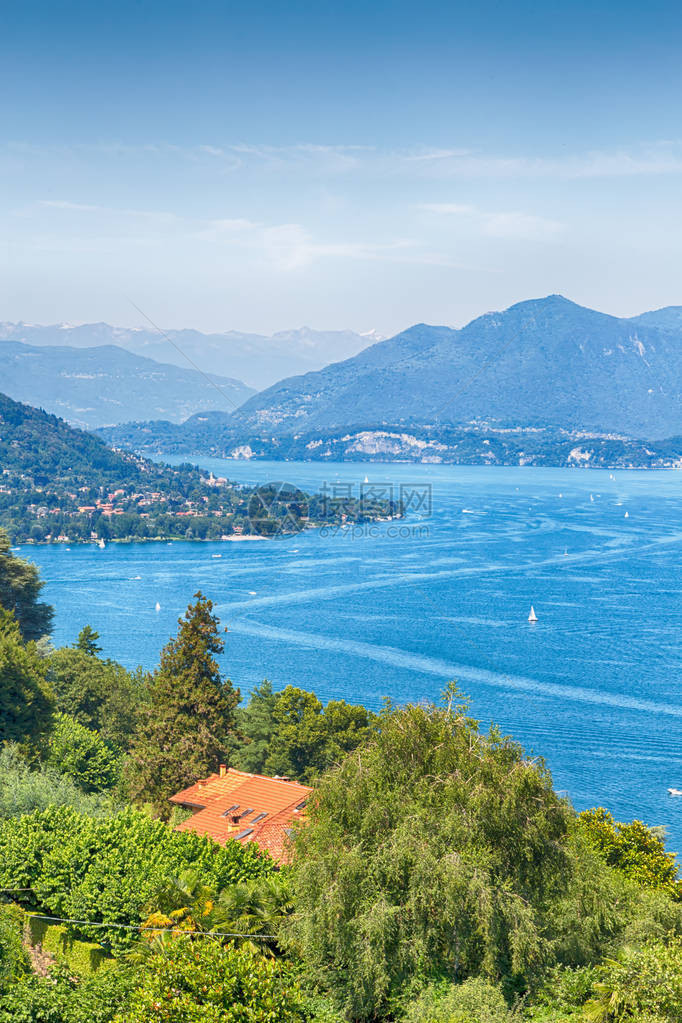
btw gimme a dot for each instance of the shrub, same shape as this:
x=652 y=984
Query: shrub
x=13 y=957
x=474 y=1001
x=197 y=980
x=25 y=788
x=62 y=997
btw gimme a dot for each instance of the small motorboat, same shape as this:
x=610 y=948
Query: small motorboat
x=532 y=617
x=675 y=792
x=158 y=606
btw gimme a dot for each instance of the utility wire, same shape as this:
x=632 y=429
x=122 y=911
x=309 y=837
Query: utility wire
x=139 y=927
x=151 y=928
x=193 y=364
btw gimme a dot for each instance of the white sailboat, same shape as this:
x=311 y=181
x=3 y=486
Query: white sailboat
x=532 y=617
x=101 y=544
x=158 y=606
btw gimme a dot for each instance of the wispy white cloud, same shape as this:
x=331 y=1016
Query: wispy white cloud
x=653 y=159
x=285 y=247
x=645 y=159
x=70 y=206
x=514 y=225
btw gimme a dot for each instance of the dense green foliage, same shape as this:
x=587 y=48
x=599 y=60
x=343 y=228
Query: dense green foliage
x=634 y=849
x=20 y=586
x=474 y=1001
x=61 y=997
x=188 y=717
x=26 y=702
x=643 y=984
x=99 y=694
x=107 y=870
x=434 y=849
x=290 y=733
x=254 y=908
x=205 y=981
x=81 y=754
x=25 y=787
x=13 y=956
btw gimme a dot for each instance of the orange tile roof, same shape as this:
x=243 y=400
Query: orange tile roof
x=275 y=801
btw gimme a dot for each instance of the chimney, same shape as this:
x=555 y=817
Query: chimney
x=223 y=770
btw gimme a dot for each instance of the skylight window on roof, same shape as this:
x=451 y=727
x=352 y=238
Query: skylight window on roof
x=243 y=834
x=230 y=810
x=260 y=817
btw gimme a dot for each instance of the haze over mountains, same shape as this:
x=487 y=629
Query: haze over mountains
x=94 y=387
x=255 y=358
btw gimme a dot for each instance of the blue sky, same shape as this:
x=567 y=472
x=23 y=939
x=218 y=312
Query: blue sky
x=339 y=165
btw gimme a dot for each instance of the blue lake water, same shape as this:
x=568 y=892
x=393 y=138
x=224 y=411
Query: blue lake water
x=594 y=686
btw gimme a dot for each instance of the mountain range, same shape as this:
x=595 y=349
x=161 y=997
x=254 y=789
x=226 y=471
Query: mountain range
x=546 y=367
x=256 y=358
x=542 y=363
x=94 y=387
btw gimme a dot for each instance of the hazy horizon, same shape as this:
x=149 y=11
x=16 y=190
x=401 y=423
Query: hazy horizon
x=372 y=333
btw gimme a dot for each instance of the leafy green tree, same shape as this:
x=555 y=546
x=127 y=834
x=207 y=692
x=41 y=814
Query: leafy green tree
x=348 y=726
x=434 y=849
x=187 y=724
x=20 y=587
x=290 y=732
x=26 y=702
x=298 y=745
x=634 y=849
x=81 y=754
x=87 y=641
x=101 y=695
x=202 y=980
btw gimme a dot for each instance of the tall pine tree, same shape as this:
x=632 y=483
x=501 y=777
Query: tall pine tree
x=186 y=725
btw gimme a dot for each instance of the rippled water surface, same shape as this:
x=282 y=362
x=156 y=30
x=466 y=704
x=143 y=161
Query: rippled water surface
x=594 y=686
